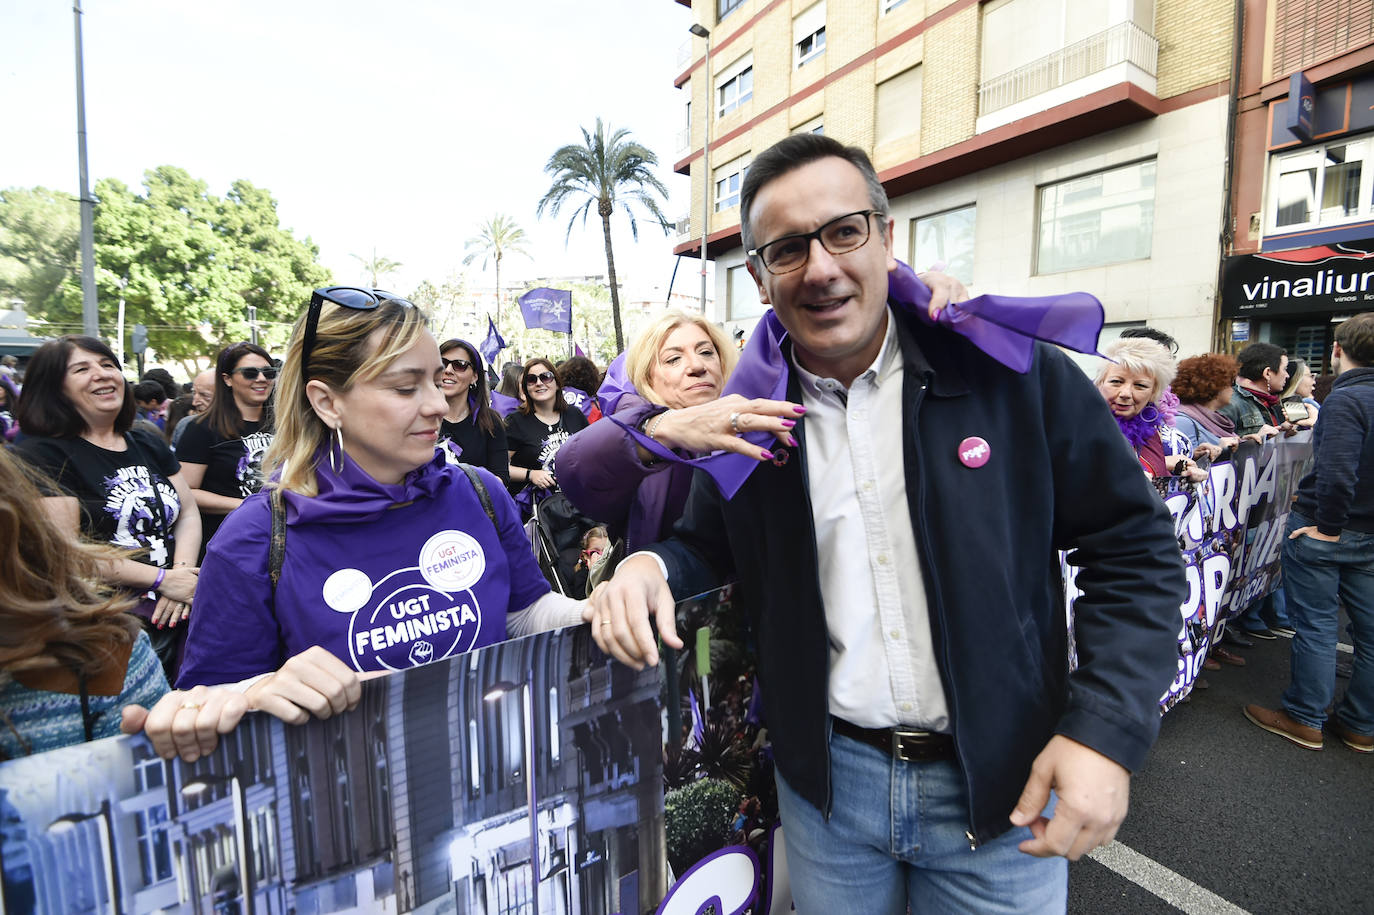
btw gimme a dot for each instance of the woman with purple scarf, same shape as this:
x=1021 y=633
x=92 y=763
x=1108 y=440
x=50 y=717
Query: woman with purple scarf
x=1133 y=380
x=667 y=385
x=379 y=555
x=1203 y=386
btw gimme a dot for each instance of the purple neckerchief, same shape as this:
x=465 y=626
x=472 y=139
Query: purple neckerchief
x=503 y=404
x=352 y=495
x=1004 y=327
x=614 y=386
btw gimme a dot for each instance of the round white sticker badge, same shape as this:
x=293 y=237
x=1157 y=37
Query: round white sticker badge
x=452 y=561
x=347 y=590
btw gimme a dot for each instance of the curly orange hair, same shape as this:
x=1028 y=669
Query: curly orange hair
x=1201 y=378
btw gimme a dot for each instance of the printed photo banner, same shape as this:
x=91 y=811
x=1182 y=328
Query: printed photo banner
x=1230 y=530
x=416 y=801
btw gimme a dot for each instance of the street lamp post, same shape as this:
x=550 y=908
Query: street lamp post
x=105 y=816
x=202 y=783
x=701 y=31
x=90 y=320
x=493 y=693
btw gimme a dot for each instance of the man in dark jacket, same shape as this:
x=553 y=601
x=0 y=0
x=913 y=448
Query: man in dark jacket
x=1329 y=558
x=901 y=572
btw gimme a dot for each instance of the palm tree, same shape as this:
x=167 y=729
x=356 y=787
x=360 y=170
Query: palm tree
x=498 y=237
x=609 y=171
x=377 y=267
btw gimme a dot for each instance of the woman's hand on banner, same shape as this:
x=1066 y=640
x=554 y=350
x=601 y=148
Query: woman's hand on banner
x=619 y=611
x=186 y=723
x=313 y=682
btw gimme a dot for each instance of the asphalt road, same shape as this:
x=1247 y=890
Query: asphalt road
x=1244 y=820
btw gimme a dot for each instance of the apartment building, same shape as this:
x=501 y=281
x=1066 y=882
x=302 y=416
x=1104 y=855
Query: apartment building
x=1033 y=146
x=1301 y=246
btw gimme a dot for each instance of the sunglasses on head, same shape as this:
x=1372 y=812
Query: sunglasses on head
x=251 y=372
x=545 y=377
x=458 y=365
x=354 y=297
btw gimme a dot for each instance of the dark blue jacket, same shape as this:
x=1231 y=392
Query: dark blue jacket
x=1339 y=492
x=1061 y=477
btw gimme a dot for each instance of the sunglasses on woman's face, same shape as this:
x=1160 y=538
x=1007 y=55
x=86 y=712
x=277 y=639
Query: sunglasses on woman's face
x=458 y=365
x=353 y=297
x=251 y=372
x=542 y=377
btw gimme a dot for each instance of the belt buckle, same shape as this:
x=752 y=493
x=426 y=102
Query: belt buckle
x=898 y=735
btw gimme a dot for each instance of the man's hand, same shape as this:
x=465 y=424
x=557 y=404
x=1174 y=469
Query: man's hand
x=1311 y=531
x=313 y=682
x=619 y=610
x=1094 y=793
x=944 y=289
x=186 y=724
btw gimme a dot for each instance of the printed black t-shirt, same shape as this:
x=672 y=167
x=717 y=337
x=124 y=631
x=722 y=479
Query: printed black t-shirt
x=115 y=489
x=479 y=449
x=233 y=466
x=535 y=443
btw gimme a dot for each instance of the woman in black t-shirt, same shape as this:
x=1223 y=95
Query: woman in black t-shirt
x=114 y=485
x=539 y=428
x=221 y=450
x=470 y=422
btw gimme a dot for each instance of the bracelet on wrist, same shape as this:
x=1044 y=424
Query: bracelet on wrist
x=651 y=426
x=157 y=582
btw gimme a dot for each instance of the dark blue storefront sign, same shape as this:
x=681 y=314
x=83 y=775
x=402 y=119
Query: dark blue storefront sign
x=1326 y=278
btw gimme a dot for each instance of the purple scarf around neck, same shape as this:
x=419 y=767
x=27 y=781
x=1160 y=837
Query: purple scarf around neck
x=1219 y=424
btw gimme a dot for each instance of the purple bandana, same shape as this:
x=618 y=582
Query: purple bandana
x=1004 y=327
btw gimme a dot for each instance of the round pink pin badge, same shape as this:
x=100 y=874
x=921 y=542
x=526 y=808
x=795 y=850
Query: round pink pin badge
x=974 y=452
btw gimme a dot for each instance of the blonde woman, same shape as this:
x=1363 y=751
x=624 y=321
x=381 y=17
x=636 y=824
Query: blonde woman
x=678 y=367
x=1131 y=378
x=392 y=557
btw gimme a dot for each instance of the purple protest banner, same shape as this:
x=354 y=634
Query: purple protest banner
x=547 y=309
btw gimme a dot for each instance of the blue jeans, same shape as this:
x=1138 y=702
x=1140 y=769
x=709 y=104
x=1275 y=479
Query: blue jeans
x=1315 y=575
x=896 y=836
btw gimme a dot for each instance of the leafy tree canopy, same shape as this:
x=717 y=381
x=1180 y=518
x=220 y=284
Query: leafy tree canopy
x=188 y=263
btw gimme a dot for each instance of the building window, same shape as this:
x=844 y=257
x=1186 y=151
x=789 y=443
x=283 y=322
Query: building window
x=945 y=238
x=808 y=35
x=899 y=107
x=1103 y=218
x=728 y=180
x=1322 y=186
x=553 y=724
x=735 y=85
x=815 y=125
x=149 y=773
x=726 y=7
x=742 y=295
x=890 y=5
x=154 y=848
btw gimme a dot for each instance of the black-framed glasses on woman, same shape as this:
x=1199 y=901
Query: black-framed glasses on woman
x=840 y=235
x=354 y=297
x=458 y=365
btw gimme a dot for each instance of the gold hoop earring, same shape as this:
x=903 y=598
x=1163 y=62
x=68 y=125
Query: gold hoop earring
x=338 y=438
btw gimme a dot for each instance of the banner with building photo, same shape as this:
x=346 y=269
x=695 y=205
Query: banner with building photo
x=416 y=801
x=1230 y=529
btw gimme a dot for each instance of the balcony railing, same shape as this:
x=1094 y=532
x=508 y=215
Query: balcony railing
x=684 y=139
x=682 y=228
x=1123 y=43
x=684 y=54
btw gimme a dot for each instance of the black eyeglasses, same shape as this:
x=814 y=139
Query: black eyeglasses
x=458 y=365
x=840 y=235
x=353 y=297
x=545 y=377
x=251 y=372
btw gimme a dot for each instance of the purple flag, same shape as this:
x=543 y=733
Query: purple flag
x=1004 y=327
x=578 y=351
x=492 y=345
x=548 y=309
x=504 y=404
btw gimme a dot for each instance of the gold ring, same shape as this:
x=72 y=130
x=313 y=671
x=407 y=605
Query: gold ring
x=605 y=622
x=734 y=423
x=191 y=705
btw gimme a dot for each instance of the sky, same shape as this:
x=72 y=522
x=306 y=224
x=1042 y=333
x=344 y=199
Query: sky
x=397 y=127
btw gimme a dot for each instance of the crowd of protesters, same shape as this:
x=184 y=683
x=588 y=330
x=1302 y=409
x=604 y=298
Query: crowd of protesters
x=366 y=433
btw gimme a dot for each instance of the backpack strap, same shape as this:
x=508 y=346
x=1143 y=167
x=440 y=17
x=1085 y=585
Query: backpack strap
x=276 y=550
x=482 y=494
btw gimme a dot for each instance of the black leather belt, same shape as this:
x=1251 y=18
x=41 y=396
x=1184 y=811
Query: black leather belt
x=906 y=744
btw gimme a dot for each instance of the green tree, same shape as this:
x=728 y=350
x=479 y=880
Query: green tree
x=186 y=262
x=609 y=170
x=496 y=238
x=376 y=267
x=447 y=305
x=39 y=229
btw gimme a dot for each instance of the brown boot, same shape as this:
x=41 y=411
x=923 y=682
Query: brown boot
x=1360 y=743
x=1276 y=721
x=1226 y=656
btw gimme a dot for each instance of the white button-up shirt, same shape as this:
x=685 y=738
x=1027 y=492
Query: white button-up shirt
x=883 y=669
